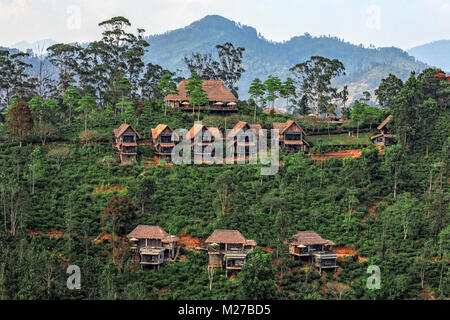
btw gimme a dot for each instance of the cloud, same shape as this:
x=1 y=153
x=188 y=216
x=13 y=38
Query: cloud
x=15 y=9
x=60 y=20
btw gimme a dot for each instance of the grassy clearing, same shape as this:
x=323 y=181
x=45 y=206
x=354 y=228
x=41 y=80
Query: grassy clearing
x=340 y=139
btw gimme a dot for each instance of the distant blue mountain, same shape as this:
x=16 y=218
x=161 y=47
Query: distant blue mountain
x=434 y=53
x=365 y=66
x=34 y=46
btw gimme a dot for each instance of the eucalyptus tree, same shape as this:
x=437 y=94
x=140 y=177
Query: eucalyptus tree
x=167 y=86
x=85 y=105
x=196 y=93
x=256 y=92
x=287 y=90
x=314 y=77
x=343 y=97
x=231 y=68
x=272 y=87
x=121 y=54
x=70 y=100
x=227 y=68
x=202 y=64
x=387 y=90
x=135 y=65
x=15 y=77
x=150 y=81
x=65 y=58
x=6 y=78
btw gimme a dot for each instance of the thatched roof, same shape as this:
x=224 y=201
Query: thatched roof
x=283 y=126
x=229 y=236
x=159 y=129
x=215 y=89
x=384 y=123
x=307 y=238
x=124 y=127
x=197 y=128
x=241 y=125
x=151 y=232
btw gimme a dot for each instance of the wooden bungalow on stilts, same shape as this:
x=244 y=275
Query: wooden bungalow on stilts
x=126 y=143
x=384 y=138
x=292 y=136
x=228 y=249
x=162 y=141
x=308 y=246
x=152 y=245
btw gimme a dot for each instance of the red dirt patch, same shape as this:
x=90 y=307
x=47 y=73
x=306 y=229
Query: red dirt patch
x=35 y=233
x=426 y=295
x=361 y=259
x=345 y=253
x=104 y=236
x=57 y=234
x=341 y=154
x=268 y=250
x=188 y=241
x=345 y=250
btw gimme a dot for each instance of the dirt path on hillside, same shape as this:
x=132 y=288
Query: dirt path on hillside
x=340 y=154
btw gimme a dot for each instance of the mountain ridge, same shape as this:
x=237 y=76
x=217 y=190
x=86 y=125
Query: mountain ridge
x=264 y=57
x=365 y=67
x=436 y=53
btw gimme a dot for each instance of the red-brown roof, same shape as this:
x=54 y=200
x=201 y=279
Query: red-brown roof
x=197 y=128
x=241 y=125
x=226 y=236
x=151 y=232
x=384 y=123
x=215 y=89
x=283 y=126
x=307 y=238
x=159 y=129
x=124 y=127
x=256 y=127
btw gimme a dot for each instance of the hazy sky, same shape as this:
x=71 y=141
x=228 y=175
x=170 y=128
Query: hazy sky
x=401 y=23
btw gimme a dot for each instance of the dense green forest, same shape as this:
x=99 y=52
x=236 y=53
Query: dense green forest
x=65 y=199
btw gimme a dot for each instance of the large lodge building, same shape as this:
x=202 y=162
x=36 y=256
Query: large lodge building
x=221 y=100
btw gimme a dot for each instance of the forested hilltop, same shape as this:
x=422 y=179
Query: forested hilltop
x=365 y=66
x=66 y=200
